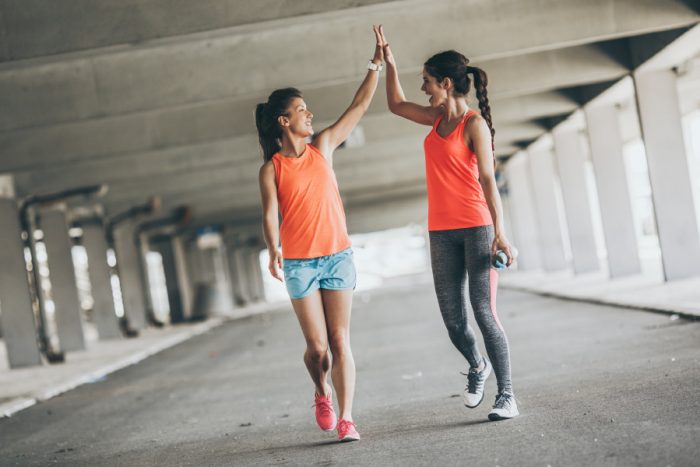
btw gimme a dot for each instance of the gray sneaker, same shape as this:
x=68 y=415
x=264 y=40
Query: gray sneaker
x=505 y=407
x=474 y=392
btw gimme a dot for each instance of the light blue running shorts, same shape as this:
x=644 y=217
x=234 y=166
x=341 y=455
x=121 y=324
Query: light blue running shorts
x=332 y=272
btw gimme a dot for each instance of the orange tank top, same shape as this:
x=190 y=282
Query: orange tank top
x=313 y=218
x=455 y=197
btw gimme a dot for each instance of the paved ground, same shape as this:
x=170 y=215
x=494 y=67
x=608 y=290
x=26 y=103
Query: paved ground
x=596 y=386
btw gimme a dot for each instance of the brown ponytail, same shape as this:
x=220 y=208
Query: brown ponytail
x=266 y=114
x=452 y=64
x=480 y=82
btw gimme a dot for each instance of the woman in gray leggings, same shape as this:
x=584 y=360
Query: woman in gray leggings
x=465 y=217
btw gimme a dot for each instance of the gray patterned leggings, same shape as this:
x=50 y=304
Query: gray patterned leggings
x=455 y=256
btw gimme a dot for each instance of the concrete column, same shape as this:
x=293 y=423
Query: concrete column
x=95 y=244
x=257 y=286
x=64 y=290
x=16 y=313
x=522 y=210
x=183 y=276
x=508 y=219
x=225 y=279
x=164 y=246
x=143 y=249
x=572 y=172
x=128 y=264
x=541 y=169
x=240 y=275
x=613 y=193
x=212 y=262
x=660 y=117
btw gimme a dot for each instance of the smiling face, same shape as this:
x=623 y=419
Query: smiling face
x=298 y=119
x=437 y=91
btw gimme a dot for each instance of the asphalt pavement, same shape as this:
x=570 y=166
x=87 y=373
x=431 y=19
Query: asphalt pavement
x=596 y=385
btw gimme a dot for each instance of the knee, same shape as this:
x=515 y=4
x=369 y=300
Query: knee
x=457 y=332
x=316 y=352
x=489 y=326
x=339 y=343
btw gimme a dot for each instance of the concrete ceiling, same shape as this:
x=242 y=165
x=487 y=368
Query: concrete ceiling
x=157 y=97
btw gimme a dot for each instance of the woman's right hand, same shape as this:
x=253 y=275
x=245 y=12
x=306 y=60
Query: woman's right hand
x=275 y=265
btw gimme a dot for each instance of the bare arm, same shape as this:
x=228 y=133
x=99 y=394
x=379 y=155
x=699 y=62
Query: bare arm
x=425 y=115
x=330 y=138
x=478 y=134
x=271 y=227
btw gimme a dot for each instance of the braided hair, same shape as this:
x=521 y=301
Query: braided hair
x=452 y=64
x=266 y=115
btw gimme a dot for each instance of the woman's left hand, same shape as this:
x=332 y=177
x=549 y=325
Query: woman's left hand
x=379 y=49
x=502 y=243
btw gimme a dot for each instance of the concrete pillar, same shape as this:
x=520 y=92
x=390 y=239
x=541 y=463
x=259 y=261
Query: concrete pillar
x=508 y=219
x=572 y=170
x=522 y=210
x=184 y=281
x=613 y=193
x=257 y=286
x=213 y=290
x=143 y=249
x=212 y=260
x=240 y=278
x=660 y=117
x=104 y=314
x=64 y=290
x=16 y=313
x=542 y=174
x=128 y=264
x=164 y=246
x=226 y=282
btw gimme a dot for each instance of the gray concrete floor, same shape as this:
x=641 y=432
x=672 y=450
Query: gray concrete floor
x=596 y=386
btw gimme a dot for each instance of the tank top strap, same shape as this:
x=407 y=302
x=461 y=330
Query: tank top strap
x=467 y=117
x=437 y=122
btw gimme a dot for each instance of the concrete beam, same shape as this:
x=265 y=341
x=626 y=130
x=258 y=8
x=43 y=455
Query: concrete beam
x=31 y=31
x=36 y=28
x=86 y=89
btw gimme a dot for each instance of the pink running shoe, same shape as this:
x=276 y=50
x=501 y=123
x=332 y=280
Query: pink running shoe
x=325 y=415
x=347 y=431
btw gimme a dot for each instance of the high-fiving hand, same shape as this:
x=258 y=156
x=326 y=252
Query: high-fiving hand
x=379 y=50
x=383 y=43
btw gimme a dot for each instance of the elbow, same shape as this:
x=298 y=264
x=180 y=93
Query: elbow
x=487 y=183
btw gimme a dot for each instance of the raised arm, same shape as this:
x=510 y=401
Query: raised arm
x=330 y=138
x=425 y=115
x=479 y=137
x=271 y=224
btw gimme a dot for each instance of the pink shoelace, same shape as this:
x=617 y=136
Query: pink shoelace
x=345 y=425
x=324 y=405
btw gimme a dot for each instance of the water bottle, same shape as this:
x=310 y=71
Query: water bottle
x=500 y=260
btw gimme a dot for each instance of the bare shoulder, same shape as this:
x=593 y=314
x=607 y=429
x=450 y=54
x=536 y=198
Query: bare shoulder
x=476 y=123
x=267 y=170
x=321 y=141
x=476 y=129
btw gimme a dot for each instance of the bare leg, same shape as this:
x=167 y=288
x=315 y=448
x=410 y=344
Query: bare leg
x=309 y=311
x=337 y=305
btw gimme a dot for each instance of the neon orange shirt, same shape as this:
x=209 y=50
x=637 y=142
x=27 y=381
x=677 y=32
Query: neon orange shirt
x=455 y=197
x=313 y=218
